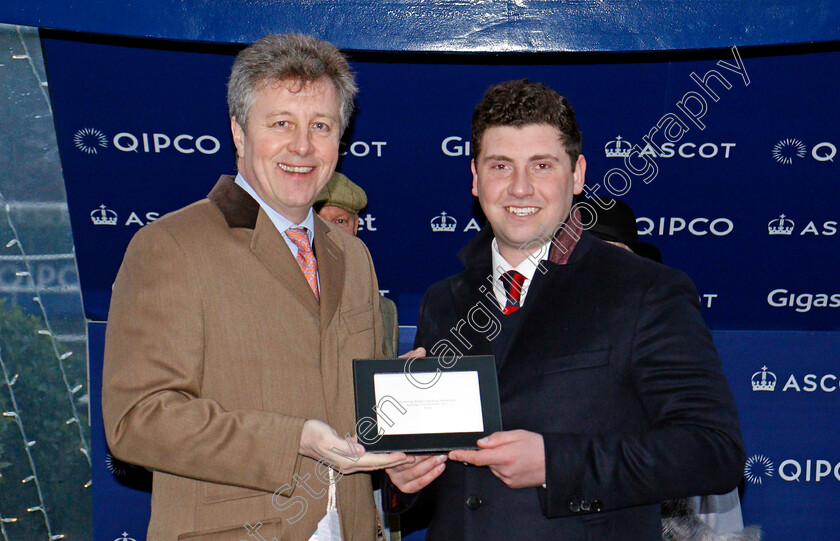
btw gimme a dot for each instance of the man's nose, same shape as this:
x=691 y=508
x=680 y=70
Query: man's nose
x=521 y=185
x=301 y=143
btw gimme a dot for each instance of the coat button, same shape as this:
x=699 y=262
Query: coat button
x=597 y=505
x=585 y=505
x=474 y=501
x=574 y=507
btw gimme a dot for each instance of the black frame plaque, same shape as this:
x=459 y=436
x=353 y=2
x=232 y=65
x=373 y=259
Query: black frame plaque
x=367 y=429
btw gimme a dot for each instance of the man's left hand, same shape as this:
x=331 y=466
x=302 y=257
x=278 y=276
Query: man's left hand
x=517 y=457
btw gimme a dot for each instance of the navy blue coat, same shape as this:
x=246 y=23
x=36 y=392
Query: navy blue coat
x=612 y=363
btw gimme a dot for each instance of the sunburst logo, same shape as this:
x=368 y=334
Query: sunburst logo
x=116 y=466
x=788 y=149
x=757 y=467
x=90 y=140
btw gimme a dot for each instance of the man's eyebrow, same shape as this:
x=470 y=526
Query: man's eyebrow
x=534 y=158
x=284 y=112
x=540 y=157
x=497 y=157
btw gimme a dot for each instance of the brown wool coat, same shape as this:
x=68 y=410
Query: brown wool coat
x=217 y=352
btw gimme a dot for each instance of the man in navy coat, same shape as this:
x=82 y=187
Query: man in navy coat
x=611 y=389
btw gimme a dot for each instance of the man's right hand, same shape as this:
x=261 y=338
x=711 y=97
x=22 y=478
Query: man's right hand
x=319 y=441
x=417 y=472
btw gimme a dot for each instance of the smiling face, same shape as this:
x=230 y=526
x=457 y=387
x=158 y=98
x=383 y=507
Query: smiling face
x=524 y=181
x=289 y=147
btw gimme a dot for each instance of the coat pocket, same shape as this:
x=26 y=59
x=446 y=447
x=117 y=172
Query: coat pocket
x=270 y=529
x=358 y=319
x=577 y=361
x=215 y=493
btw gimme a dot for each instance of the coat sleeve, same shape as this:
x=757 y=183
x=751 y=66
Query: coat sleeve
x=390 y=327
x=153 y=411
x=693 y=444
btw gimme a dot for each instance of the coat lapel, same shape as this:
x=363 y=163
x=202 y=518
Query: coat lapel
x=466 y=295
x=540 y=299
x=547 y=296
x=240 y=210
x=271 y=249
x=330 y=271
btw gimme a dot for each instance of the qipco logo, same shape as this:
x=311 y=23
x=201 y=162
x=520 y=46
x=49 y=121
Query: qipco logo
x=824 y=152
x=158 y=142
x=810 y=471
x=699 y=227
x=790 y=150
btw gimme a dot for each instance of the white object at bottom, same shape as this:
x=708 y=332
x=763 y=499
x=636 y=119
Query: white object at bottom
x=329 y=527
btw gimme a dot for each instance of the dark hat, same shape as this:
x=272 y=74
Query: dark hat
x=343 y=193
x=617 y=223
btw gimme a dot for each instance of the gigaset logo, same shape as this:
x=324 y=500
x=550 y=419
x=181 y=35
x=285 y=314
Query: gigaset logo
x=802 y=302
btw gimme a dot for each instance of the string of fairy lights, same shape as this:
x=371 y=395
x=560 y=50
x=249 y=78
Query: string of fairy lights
x=47 y=331
x=14 y=414
x=3 y=521
x=10 y=380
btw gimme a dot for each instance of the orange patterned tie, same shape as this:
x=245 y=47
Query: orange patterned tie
x=305 y=257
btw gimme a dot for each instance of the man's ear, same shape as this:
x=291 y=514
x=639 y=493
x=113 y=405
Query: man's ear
x=475 y=178
x=238 y=137
x=579 y=175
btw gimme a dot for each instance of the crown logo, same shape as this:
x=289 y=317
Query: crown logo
x=618 y=148
x=125 y=537
x=764 y=380
x=782 y=226
x=103 y=216
x=443 y=223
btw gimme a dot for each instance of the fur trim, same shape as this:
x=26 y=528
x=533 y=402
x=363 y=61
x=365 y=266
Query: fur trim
x=680 y=524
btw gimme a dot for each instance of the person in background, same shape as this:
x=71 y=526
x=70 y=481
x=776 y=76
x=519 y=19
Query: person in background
x=340 y=203
x=616 y=224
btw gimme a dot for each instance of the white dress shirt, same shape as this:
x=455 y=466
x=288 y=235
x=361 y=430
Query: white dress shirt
x=528 y=268
x=281 y=222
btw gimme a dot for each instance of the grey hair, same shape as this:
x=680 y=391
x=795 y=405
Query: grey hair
x=282 y=57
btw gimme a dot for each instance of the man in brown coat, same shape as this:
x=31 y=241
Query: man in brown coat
x=234 y=322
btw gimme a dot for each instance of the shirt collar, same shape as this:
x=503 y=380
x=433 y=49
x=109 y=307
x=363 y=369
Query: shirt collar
x=528 y=268
x=280 y=222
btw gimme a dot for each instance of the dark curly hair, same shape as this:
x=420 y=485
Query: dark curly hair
x=523 y=103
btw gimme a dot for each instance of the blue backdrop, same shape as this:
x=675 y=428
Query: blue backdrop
x=419 y=25
x=743 y=197
x=144 y=131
